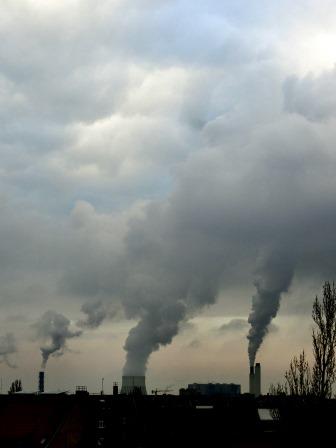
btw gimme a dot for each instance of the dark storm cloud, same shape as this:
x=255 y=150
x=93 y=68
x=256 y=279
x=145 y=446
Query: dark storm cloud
x=260 y=205
x=148 y=162
x=263 y=214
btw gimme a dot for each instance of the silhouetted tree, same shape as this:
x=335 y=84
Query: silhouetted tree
x=298 y=377
x=16 y=386
x=278 y=389
x=324 y=342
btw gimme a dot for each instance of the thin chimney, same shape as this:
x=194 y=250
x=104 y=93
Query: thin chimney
x=257 y=380
x=251 y=378
x=41 y=382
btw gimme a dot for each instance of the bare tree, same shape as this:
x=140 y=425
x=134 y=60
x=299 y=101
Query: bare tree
x=16 y=386
x=278 y=389
x=324 y=342
x=298 y=376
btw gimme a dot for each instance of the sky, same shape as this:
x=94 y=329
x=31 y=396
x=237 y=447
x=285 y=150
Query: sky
x=167 y=174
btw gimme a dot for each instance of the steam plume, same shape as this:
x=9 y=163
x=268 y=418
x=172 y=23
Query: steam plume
x=96 y=312
x=7 y=347
x=157 y=327
x=273 y=278
x=54 y=327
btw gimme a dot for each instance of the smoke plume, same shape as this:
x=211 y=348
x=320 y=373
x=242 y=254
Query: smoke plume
x=54 y=327
x=242 y=173
x=96 y=312
x=273 y=278
x=7 y=347
x=161 y=287
x=157 y=327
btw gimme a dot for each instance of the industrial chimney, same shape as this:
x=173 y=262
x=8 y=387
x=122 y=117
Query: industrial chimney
x=251 y=378
x=41 y=382
x=133 y=385
x=257 y=380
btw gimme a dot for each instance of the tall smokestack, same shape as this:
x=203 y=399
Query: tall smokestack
x=257 y=380
x=251 y=378
x=133 y=385
x=41 y=382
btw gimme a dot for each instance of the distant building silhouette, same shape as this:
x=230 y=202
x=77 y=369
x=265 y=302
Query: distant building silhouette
x=213 y=389
x=133 y=385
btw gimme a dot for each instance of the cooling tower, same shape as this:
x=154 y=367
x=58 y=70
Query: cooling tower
x=133 y=385
x=41 y=382
x=257 y=380
x=251 y=378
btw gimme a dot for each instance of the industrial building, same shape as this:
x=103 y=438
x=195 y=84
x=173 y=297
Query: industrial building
x=82 y=420
x=133 y=385
x=200 y=416
x=211 y=389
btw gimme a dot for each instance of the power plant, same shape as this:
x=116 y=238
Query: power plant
x=131 y=418
x=133 y=385
x=255 y=380
x=136 y=384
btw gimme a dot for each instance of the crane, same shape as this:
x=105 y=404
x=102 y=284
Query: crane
x=163 y=391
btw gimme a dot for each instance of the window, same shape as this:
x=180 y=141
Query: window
x=101 y=424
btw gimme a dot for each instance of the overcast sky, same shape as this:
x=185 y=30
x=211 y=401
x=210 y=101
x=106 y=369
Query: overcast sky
x=161 y=162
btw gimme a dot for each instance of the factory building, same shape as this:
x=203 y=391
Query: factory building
x=209 y=389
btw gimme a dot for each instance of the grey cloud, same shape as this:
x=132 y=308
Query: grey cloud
x=7 y=348
x=103 y=61
x=312 y=96
x=257 y=212
x=188 y=326
x=241 y=326
x=150 y=164
x=215 y=229
x=96 y=312
x=194 y=344
x=234 y=325
x=53 y=327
